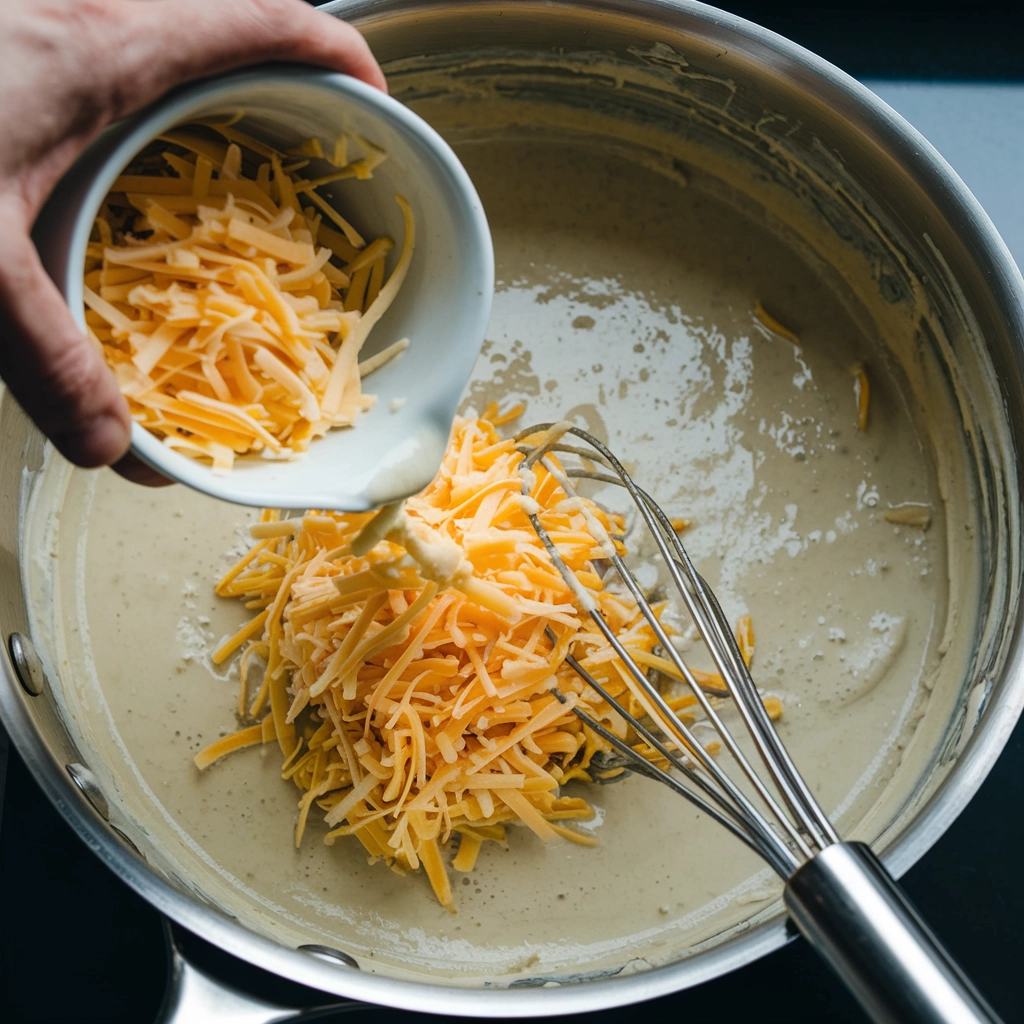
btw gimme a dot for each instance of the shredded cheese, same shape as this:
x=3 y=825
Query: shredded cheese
x=232 y=316
x=862 y=395
x=771 y=324
x=411 y=681
x=910 y=513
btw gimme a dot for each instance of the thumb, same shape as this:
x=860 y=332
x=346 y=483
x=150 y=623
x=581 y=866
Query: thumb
x=53 y=370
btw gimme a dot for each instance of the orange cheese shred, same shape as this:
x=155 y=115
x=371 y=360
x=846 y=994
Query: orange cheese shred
x=771 y=324
x=232 y=317
x=227 y=744
x=416 y=661
x=745 y=638
x=862 y=395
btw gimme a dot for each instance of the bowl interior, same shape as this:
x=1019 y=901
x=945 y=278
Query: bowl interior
x=442 y=308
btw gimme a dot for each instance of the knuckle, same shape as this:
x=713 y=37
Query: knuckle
x=72 y=388
x=94 y=28
x=279 y=22
x=90 y=24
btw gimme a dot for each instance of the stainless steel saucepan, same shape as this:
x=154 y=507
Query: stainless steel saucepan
x=694 y=94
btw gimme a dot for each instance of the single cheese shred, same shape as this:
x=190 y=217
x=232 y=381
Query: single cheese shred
x=233 y=309
x=414 y=663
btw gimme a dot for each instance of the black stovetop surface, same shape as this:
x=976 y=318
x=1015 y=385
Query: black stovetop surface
x=77 y=945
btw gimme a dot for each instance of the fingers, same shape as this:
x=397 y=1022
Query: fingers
x=166 y=42
x=116 y=56
x=53 y=370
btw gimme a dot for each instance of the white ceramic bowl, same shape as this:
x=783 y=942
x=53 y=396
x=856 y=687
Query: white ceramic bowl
x=443 y=306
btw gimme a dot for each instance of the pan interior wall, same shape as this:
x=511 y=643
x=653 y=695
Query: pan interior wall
x=626 y=294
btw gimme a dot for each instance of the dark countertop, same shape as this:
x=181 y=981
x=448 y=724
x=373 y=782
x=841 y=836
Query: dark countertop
x=78 y=945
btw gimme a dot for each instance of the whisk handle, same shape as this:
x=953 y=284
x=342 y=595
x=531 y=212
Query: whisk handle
x=855 y=915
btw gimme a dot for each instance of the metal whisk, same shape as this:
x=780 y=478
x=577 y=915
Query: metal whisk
x=838 y=894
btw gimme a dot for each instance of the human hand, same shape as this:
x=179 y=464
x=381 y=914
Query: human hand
x=68 y=68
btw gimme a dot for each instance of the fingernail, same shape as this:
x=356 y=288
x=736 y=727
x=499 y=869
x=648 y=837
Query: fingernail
x=96 y=442
x=134 y=469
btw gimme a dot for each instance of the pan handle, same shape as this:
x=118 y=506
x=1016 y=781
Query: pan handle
x=855 y=915
x=195 y=997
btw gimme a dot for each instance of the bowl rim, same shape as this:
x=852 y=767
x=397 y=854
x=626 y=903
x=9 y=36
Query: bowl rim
x=113 y=151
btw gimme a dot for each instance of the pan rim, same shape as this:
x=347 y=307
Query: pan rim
x=902 y=143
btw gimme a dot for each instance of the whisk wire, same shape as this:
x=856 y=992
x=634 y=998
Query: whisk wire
x=780 y=763
x=715 y=629
x=642 y=766
x=804 y=827
x=677 y=762
x=661 y=713
x=838 y=894
x=767 y=844
x=707 y=707
x=717 y=634
x=665 y=714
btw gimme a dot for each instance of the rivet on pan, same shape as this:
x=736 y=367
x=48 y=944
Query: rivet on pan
x=127 y=842
x=27 y=664
x=329 y=955
x=212 y=903
x=86 y=782
x=195 y=893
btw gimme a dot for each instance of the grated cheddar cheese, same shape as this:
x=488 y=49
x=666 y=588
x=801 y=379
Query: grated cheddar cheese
x=419 y=690
x=231 y=311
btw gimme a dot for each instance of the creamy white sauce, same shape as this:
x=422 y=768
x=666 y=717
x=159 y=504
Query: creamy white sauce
x=625 y=306
x=437 y=558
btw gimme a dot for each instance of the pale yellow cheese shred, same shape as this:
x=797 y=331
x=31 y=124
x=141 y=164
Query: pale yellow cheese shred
x=770 y=323
x=862 y=395
x=418 y=713
x=232 y=316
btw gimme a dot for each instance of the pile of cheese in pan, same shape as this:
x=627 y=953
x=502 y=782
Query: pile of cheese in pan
x=414 y=673
x=231 y=308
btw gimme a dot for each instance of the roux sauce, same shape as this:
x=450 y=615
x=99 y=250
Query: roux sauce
x=624 y=304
